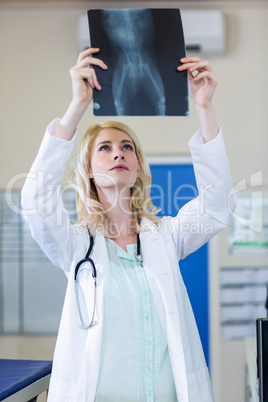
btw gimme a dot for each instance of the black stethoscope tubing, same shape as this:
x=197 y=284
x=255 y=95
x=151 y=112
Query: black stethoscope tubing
x=88 y=259
x=94 y=276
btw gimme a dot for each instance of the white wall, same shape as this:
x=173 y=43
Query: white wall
x=38 y=45
x=37 y=48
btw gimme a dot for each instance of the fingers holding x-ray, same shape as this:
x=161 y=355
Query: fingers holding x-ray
x=86 y=68
x=90 y=61
x=84 y=78
x=202 y=79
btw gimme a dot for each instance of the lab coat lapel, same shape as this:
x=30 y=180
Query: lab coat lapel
x=159 y=274
x=91 y=361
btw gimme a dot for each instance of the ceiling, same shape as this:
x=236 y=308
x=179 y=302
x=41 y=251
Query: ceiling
x=249 y=2
x=183 y=4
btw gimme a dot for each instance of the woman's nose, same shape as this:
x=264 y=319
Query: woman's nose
x=119 y=155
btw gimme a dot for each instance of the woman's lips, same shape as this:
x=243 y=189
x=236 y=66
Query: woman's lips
x=119 y=167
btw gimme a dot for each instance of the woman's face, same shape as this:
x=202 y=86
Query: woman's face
x=114 y=163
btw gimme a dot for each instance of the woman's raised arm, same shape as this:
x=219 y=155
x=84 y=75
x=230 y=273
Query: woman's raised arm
x=202 y=84
x=41 y=194
x=84 y=80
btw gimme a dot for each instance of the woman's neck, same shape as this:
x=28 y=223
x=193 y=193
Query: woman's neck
x=118 y=214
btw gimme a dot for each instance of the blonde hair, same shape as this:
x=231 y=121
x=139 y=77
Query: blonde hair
x=90 y=210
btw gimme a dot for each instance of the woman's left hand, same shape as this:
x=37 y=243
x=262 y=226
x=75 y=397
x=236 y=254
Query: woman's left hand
x=201 y=78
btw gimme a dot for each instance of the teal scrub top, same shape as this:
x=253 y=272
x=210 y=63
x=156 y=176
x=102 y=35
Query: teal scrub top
x=135 y=364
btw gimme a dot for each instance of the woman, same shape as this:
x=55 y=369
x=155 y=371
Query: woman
x=138 y=340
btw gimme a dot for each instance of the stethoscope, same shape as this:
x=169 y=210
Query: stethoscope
x=79 y=267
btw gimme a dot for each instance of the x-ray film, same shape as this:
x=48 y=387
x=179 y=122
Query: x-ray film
x=142 y=49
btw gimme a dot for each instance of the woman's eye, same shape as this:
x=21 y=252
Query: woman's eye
x=128 y=146
x=104 y=147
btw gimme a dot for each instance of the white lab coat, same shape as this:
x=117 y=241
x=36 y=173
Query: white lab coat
x=77 y=353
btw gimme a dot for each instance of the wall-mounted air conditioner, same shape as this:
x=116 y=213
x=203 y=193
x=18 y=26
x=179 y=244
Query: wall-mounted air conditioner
x=204 y=31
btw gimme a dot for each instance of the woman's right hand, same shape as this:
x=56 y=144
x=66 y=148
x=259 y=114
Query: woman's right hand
x=84 y=78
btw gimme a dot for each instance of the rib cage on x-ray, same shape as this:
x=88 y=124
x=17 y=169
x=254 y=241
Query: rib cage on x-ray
x=136 y=76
